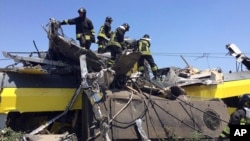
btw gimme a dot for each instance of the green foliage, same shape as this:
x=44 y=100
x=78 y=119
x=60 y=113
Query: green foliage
x=7 y=134
x=196 y=136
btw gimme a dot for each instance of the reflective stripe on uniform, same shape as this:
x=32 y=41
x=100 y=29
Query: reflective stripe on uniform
x=111 y=62
x=144 y=47
x=141 y=68
x=102 y=33
x=100 y=46
x=222 y=135
x=225 y=133
x=66 y=21
x=79 y=35
x=245 y=121
x=92 y=32
x=87 y=37
x=113 y=41
x=154 y=68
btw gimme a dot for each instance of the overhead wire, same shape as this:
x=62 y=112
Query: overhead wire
x=201 y=56
x=195 y=55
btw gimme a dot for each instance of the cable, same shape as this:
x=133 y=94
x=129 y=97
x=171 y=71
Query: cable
x=198 y=108
x=130 y=99
x=187 y=103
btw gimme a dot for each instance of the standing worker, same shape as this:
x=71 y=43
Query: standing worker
x=104 y=34
x=144 y=48
x=116 y=42
x=239 y=117
x=85 y=33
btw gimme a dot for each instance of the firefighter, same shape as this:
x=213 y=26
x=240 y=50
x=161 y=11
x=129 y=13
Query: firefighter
x=144 y=48
x=116 y=43
x=239 y=117
x=104 y=34
x=85 y=33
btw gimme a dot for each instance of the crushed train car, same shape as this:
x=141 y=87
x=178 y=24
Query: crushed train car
x=71 y=94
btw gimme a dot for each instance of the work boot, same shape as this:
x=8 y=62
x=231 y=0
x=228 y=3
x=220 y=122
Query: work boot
x=110 y=63
x=156 y=75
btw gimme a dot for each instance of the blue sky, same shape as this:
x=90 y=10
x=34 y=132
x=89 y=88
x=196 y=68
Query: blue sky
x=196 y=29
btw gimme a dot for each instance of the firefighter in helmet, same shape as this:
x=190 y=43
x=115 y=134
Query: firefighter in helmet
x=239 y=117
x=116 y=43
x=85 y=33
x=144 y=48
x=104 y=34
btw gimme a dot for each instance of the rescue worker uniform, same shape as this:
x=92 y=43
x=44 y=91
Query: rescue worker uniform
x=115 y=45
x=85 y=33
x=104 y=35
x=144 y=48
x=240 y=117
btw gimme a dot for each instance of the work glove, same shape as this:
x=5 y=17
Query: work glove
x=62 y=22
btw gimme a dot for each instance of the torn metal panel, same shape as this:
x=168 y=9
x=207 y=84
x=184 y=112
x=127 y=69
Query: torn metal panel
x=125 y=62
x=163 y=118
x=32 y=60
x=183 y=77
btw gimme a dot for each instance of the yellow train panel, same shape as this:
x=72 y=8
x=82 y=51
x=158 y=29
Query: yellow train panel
x=37 y=99
x=223 y=90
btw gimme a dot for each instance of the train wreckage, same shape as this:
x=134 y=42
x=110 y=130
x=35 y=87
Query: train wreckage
x=69 y=93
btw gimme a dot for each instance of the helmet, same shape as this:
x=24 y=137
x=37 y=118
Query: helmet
x=81 y=10
x=146 y=37
x=126 y=26
x=244 y=100
x=109 y=19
